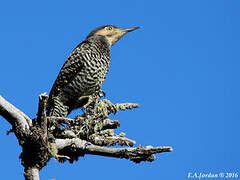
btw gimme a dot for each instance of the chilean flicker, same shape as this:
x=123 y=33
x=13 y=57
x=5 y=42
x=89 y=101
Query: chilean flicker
x=84 y=71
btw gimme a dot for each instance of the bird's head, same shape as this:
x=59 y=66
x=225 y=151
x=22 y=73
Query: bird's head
x=111 y=33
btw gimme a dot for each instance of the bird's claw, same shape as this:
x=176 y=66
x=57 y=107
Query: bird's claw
x=101 y=93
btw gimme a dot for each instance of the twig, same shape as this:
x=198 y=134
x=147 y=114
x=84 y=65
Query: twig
x=112 y=141
x=124 y=106
x=110 y=124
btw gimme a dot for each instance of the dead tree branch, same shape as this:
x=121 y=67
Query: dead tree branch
x=42 y=139
x=75 y=147
x=19 y=121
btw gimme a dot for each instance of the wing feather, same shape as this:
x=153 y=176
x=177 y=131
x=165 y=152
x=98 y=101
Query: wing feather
x=69 y=70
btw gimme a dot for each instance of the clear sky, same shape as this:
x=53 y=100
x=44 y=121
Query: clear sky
x=182 y=67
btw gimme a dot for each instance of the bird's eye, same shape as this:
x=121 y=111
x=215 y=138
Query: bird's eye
x=109 y=28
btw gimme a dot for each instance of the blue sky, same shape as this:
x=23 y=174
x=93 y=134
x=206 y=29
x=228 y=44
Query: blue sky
x=182 y=67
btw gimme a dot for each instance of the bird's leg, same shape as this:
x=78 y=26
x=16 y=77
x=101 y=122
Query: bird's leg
x=90 y=100
x=84 y=101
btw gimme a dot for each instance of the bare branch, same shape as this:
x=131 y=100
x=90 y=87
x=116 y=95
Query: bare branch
x=60 y=119
x=14 y=116
x=41 y=115
x=76 y=146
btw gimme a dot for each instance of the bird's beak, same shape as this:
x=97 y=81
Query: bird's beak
x=119 y=33
x=126 y=30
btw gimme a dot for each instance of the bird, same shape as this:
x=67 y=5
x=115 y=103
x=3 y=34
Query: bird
x=84 y=71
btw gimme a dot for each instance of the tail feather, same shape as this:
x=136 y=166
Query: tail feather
x=57 y=108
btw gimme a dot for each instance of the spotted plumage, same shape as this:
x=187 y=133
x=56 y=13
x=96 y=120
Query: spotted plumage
x=84 y=71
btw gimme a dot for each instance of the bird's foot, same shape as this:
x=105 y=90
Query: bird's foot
x=100 y=93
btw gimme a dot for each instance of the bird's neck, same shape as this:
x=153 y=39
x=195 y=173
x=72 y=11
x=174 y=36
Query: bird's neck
x=101 y=40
